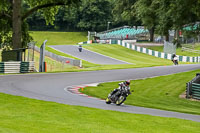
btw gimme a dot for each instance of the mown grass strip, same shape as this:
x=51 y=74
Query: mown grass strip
x=19 y=114
x=159 y=92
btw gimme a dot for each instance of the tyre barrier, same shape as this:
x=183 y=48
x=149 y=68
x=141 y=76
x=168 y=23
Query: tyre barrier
x=17 y=67
x=193 y=88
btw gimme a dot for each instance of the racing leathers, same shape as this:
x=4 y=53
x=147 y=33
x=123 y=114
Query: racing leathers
x=122 y=86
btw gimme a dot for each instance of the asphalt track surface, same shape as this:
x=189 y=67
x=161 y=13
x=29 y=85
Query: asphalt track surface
x=54 y=87
x=87 y=55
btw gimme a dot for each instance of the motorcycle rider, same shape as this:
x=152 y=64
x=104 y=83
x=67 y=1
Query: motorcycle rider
x=174 y=59
x=80 y=48
x=123 y=85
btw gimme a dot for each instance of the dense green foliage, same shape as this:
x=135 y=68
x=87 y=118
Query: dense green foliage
x=13 y=18
x=90 y=15
x=156 y=15
x=159 y=92
x=164 y=15
x=123 y=15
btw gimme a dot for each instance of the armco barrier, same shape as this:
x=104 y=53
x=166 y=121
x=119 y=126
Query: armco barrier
x=193 y=88
x=149 y=51
x=16 y=67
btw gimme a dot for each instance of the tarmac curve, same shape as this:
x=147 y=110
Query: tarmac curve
x=53 y=86
x=87 y=55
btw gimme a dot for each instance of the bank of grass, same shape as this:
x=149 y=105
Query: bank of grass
x=159 y=92
x=87 y=66
x=58 y=38
x=135 y=59
x=128 y=55
x=22 y=115
x=179 y=50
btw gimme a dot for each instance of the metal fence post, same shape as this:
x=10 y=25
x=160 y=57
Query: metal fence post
x=42 y=56
x=188 y=89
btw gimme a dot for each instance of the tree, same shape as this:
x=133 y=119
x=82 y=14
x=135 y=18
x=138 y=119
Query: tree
x=65 y=20
x=145 y=10
x=13 y=14
x=165 y=15
x=123 y=12
x=94 y=15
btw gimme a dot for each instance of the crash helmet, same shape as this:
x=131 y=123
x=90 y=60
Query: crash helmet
x=127 y=82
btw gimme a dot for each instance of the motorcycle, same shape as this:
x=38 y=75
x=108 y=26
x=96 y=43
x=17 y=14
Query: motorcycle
x=118 y=97
x=175 y=60
x=80 y=48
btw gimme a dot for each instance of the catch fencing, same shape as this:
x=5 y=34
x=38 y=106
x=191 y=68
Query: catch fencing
x=62 y=59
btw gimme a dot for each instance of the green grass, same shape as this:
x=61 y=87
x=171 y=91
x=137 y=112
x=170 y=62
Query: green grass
x=137 y=59
x=178 y=51
x=86 y=64
x=52 y=65
x=58 y=38
x=24 y=115
x=128 y=55
x=159 y=92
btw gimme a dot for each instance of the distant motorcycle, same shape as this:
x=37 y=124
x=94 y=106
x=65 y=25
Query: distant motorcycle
x=118 y=97
x=80 y=48
x=175 y=60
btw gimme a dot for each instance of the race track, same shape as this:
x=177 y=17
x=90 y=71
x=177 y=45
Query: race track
x=53 y=86
x=87 y=55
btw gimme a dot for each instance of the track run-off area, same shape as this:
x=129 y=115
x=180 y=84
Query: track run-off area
x=54 y=86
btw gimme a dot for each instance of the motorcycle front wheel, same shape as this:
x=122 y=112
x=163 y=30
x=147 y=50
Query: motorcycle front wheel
x=120 y=100
x=108 y=101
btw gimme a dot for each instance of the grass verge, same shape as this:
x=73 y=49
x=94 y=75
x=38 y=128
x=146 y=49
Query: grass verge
x=19 y=114
x=58 y=38
x=159 y=92
x=128 y=55
x=118 y=52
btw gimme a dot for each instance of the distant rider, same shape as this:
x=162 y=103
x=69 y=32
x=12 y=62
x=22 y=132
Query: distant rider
x=174 y=59
x=80 y=48
x=124 y=86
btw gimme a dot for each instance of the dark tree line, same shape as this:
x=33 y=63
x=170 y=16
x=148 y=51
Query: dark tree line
x=92 y=15
x=17 y=17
